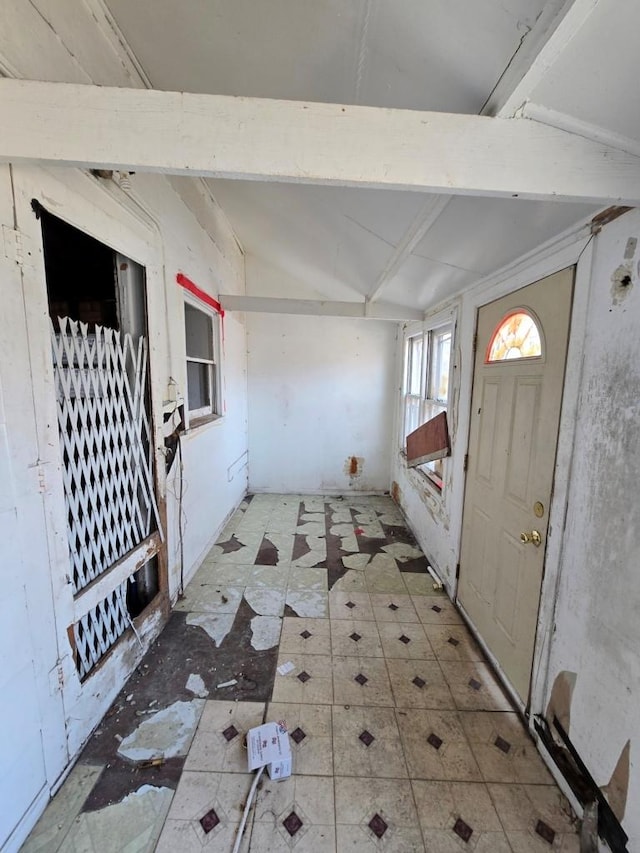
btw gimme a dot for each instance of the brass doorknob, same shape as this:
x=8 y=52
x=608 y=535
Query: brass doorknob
x=532 y=538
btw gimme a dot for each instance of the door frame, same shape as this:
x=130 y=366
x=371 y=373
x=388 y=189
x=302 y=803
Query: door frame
x=105 y=212
x=573 y=249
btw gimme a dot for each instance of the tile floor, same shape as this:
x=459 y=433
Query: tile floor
x=402 y=739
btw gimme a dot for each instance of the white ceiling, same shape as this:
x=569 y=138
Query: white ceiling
x=445 y=55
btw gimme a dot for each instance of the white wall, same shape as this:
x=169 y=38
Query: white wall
x=597 y=618
x=321 y=390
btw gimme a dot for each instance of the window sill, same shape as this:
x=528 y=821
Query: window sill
x=433 y=480
x=202 y=421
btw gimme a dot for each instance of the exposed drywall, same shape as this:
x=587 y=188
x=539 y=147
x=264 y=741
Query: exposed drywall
x=597 y=624
x=321 y=403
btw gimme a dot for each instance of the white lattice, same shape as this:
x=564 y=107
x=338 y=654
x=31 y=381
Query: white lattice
x=107 y=466
x=96 y=632
x=106 y=448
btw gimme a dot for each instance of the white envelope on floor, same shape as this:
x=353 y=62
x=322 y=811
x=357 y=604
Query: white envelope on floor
x=267 y=744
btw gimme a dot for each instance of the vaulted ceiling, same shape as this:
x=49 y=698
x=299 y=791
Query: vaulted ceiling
x=572 y=63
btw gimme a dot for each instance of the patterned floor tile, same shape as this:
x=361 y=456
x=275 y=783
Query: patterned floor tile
x=309 y=728
x=458 y=816
x=309 y=682
x=503 y=749
x=535 y=817
x=219 y=743
x=435 y=612
x=376 y=814
x=474 y=686
x=205 y=812
x=419 y=684
x=436 y=747
x=361 y=681
x=453 y=642
x=355 y=638
x=295 y=814
x=366 y=742
x=305 y=636
x=345 y=605
x=392 y=607
x=404 y=640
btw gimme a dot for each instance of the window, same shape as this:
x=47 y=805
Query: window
x=201 y=334
x=426 y=386
x=517 y=336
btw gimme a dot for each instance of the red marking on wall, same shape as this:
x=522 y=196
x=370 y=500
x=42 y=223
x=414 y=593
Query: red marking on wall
x=193 y=288
x=196 y=291
x=353 y=466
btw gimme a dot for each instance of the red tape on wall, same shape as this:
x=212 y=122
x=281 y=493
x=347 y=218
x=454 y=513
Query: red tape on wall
x=193 y=288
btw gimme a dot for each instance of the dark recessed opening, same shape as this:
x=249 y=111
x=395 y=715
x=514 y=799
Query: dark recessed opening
x=80 y=274
x=142 y=587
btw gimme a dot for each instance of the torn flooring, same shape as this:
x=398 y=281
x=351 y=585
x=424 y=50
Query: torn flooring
x=401 y=737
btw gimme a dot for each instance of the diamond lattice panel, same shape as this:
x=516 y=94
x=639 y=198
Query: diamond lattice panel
x=99 y=629
x=104 y=434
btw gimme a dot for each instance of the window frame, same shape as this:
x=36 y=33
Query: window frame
x=539 y=331
x=213 y=410
x=428 y=403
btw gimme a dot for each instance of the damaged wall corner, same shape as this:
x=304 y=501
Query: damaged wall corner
x=559 y=705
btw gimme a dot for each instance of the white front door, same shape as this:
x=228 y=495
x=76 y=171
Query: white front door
x=515 y=412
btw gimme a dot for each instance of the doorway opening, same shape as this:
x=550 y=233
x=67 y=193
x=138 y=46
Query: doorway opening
x=97 y=306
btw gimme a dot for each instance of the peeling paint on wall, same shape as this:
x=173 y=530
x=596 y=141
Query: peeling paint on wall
x=621 y=283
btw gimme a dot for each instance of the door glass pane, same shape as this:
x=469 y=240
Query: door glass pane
x=199 y=333
x=198 y=385
x=517 y=336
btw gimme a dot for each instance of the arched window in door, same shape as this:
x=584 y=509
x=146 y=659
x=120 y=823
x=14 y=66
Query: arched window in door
x=516 y=336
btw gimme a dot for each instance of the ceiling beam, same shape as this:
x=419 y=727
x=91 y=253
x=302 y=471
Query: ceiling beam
x=557 y=25
x=319 y=308
x=311 y=143
x=423 y=222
